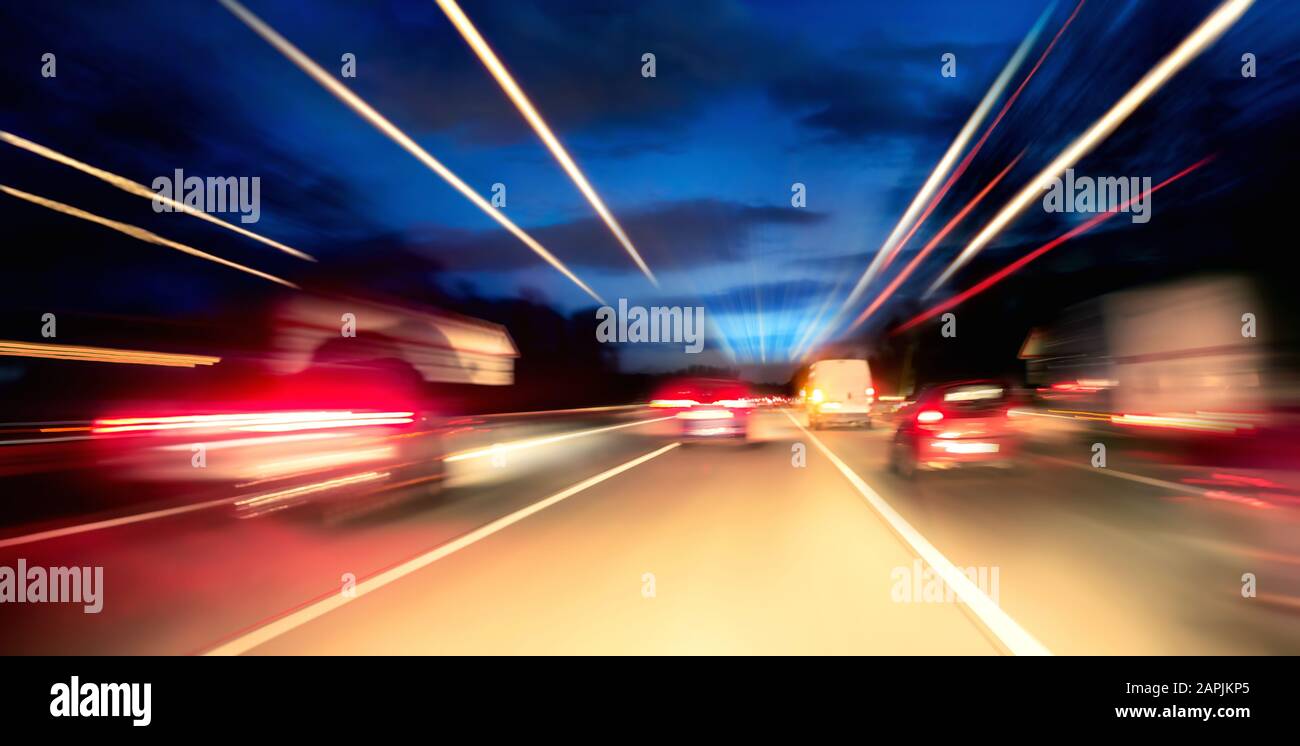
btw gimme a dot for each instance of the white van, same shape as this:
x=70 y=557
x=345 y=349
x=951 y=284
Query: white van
x=839 y=392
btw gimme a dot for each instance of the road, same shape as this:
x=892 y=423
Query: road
x=605 y=533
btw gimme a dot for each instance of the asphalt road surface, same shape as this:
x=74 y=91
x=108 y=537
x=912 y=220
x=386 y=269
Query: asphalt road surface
x=606 y=533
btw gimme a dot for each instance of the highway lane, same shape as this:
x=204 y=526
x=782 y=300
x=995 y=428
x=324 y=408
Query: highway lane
x=775 y=559
x=177 y=583
x=722 y=548
x=708 y=548
x=1095 y=563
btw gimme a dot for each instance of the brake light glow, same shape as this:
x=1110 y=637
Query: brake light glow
x=929 y=415
x=252 y=422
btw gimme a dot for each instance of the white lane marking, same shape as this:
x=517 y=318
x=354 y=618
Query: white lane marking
x=274 y=629
x=1012 y=635
x=541 y=440
x=110 y=523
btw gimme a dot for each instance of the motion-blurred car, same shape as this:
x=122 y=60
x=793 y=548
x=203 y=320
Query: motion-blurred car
x=956 y=424
x=708 y=407
x=340 y=437
x=345 y=424
x=888 y=409
x=839 y=393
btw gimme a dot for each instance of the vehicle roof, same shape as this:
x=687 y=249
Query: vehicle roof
x=840 y=360
x=949 y=385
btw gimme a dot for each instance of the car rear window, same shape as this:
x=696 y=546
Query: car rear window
x=973 y=399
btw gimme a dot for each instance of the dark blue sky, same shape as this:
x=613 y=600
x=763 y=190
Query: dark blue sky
x=697 y=163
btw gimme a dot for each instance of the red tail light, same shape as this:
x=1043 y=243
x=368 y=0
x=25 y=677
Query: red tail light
x=929 y=415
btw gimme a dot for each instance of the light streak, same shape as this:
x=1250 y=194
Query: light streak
x=949 y=157
x=11 y=348
x=307 y=489
x=1015 y=266
x=956 y=174
x=1210 y=29
x=402 y=418
x=929 y=247
x=139 y=233
x=262 y=441
x=519 y=445
x=672 y=403
x=979 y=144
x=140 y=190
x=1183 y=422
x=252 y=422
x=322 y=460
x=893 y=245
x=526 y=108
x=380 y=122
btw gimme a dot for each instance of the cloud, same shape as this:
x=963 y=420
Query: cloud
x=882 y=89
x=749 y=298
x=580 y=63
x=678 y=235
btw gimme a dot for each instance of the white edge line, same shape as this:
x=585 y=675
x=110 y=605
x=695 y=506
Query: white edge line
x=111 y=522
x=542 y=440
x=1010 y=633
x=285 y=624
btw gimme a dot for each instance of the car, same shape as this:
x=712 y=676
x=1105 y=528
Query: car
x=839 y=392
x=888 y=409
x=967 y=423
x=708 y=408
x=340 y=440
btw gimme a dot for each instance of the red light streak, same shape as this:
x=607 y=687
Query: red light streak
x=1015 y=266
x=925 y=251
x=254 y=422
x=965 y=162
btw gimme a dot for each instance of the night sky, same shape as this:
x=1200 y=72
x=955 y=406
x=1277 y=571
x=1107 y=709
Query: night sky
x=697 y=162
